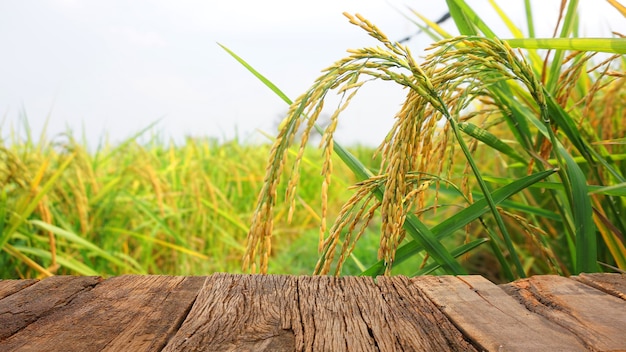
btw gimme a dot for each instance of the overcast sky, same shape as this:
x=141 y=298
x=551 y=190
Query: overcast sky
x=113 y=67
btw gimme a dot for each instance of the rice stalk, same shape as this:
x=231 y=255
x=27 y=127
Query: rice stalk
x=440 y=88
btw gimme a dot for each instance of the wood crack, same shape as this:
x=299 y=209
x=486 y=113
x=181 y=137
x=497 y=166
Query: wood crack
x=595 y=318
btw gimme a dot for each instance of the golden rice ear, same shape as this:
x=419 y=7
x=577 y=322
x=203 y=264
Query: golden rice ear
x=343 y=76
x=438 y=88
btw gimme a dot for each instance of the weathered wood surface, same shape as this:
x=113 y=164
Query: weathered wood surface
x=493 y=319
x=585 y=311
x=225 y=312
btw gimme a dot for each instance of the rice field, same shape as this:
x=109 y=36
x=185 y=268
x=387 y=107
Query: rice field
x=521 y=137
x=528 y=135
x=143 y=208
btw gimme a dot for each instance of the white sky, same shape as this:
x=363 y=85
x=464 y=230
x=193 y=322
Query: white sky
x=113 y=67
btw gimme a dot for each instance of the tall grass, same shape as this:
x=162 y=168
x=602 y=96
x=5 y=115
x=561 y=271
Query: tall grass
x=144 y=208
x=529 y=144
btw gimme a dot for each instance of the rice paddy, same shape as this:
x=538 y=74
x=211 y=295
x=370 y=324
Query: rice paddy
x=530 y=175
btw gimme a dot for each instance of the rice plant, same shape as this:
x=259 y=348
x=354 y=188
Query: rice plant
x=140 y=207
x=529 y=148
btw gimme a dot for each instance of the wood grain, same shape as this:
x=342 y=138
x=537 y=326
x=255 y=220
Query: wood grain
x=232 y=312
x=126 y=313
x=612 y=284
x=9 y=287
x=419 y=324
x=492 y=319
x=597 y=319
x=304 y=313
x=36 y=300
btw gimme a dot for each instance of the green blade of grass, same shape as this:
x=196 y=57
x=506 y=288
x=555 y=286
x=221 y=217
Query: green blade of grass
x=225 y=215
x=3 y=212
x=578 y=160
x=517 y=33
x=427 y=239
x=530 y=209
x=84 y=243
x=256 y=73
x=457 y=252
x=603 y=45
x=529 y=18
x=69 y=263
x=158 y=242
x=582 y=213
x=462 y=22
x=467 y=20
x=491 y=140
x=615 y=190
x=23 y=258
x=568 y=126
x=104 y=192
x=618 y=190
x=515 y=115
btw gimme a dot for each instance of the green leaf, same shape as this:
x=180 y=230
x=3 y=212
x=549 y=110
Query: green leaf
x=605 y=45
x=615 y=190
x=618 y=190
x=457 y=252
x=423 y=236
x=567 y=27
x=491 y=140
x=582 y=213
x=463 y=23
x=84 y=243
x=69 y=263
x=157 y=241
x=467 y=20
x=261 y=78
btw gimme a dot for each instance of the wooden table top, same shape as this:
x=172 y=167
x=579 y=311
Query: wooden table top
x=230 y=312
